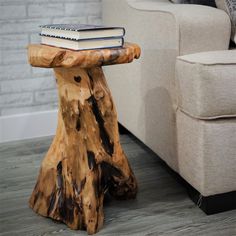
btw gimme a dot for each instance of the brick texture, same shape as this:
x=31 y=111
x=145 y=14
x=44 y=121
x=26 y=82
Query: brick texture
x=23 y=88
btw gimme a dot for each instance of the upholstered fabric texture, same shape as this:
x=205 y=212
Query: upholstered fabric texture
x=144 y=91
x=229 y=6
x=207 y=153
x=206 y=84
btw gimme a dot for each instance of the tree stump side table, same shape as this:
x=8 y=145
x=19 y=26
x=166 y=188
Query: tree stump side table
x=85 y=159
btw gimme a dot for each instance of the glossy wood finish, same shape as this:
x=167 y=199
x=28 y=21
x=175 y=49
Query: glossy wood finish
x=162 y=206
x=85 y=160
x=51 y=57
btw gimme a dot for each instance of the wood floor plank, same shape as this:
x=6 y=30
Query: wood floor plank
x=162 y=206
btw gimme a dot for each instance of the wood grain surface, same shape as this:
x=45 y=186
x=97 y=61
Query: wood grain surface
x=49 y=57
x=85 y=159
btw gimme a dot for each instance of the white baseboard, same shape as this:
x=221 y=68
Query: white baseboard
x=28 y=125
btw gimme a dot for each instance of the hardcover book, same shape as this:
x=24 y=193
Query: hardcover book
x=83 y=44
x=81 y=31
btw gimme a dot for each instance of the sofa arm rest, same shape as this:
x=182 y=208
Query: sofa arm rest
x=206 y=84
x=196 y=28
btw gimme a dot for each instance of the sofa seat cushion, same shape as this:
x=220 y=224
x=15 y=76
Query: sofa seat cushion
x=206 y=84
x=207 y=153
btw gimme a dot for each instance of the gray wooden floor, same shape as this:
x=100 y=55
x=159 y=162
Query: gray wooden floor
x=162 y=206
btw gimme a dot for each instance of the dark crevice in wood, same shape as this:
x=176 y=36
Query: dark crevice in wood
x=59 y=175
x=77 y=79
x=78 y=125
x=112 y=170
x=65 y=204
x=83 y=181
x=66 y=209
x=107 y=172
x=107 y=145
x=76 y=188
x=91 y=160
x=51 y=202
x=91 y=80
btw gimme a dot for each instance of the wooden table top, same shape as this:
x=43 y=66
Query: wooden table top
x=49 y=57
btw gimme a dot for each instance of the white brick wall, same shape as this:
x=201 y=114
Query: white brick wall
x=23 y=88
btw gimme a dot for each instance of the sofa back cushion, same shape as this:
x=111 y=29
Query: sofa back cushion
x=201 y=2
x=230 y=7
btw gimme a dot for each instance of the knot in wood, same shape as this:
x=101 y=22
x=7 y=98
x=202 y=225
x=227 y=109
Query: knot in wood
x=98 y=94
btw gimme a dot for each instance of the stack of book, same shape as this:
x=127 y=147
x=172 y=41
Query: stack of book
x=82 y=37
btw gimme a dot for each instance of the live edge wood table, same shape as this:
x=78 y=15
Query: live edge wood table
x=85 y=159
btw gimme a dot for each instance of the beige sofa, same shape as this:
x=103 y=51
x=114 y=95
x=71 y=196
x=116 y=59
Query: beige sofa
x=180 y=97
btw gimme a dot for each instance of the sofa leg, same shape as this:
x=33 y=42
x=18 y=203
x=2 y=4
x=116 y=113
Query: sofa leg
x=215 y=203
x=211 y=204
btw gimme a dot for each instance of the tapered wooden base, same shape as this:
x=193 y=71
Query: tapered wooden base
x=85 y=159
